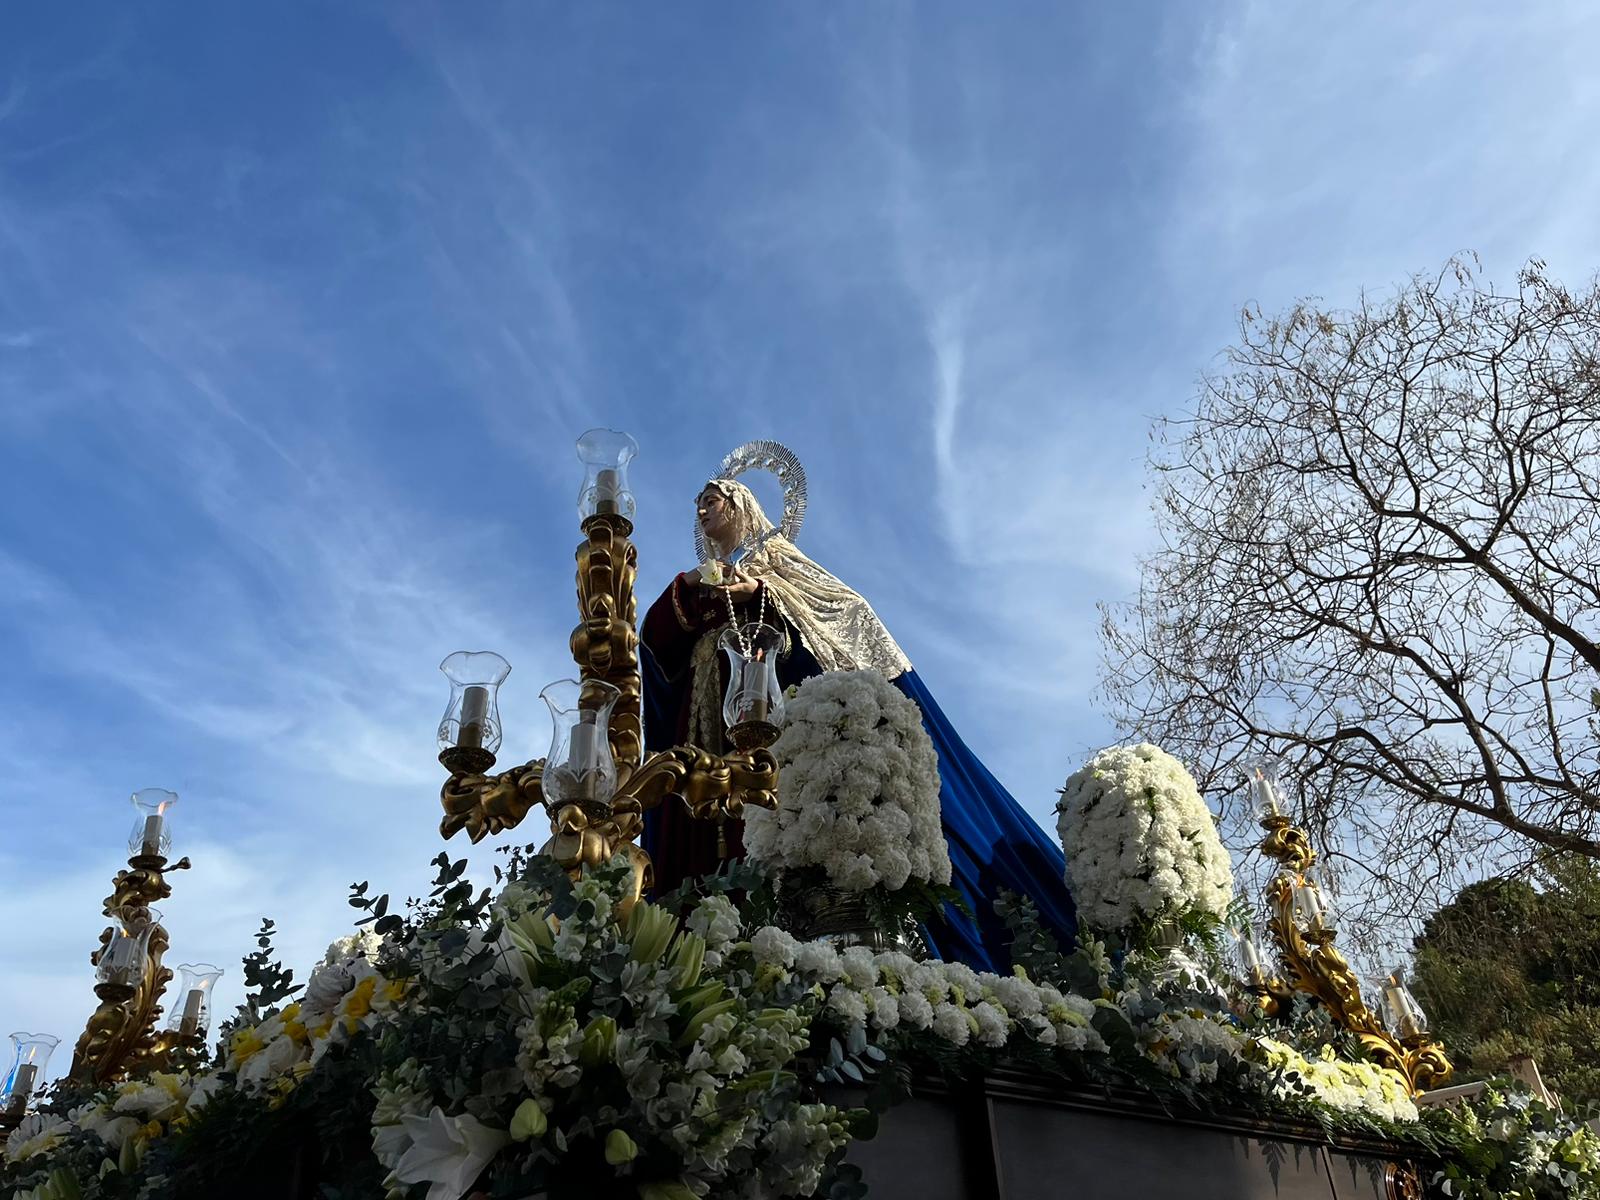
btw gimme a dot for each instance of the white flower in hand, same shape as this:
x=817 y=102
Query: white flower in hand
x=448 y=1152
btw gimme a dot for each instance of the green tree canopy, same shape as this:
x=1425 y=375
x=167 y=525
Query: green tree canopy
x=1513 y=967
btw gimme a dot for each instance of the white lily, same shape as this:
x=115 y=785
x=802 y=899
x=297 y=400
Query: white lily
x=513 y=959
x=448 y=1152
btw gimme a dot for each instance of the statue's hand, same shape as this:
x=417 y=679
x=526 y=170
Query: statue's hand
x=741 y=587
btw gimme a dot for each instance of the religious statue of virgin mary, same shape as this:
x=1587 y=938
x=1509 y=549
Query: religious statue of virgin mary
x=752 y=571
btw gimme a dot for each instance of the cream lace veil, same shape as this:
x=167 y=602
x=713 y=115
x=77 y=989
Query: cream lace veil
x=836 y=624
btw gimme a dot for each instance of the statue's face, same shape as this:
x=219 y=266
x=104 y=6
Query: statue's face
x=716 y=517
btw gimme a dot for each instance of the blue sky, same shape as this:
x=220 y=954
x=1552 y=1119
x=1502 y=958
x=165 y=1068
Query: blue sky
x=302 y=306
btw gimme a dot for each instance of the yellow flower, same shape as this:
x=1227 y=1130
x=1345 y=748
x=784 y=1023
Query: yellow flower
x=244 y=1045
x=359 y=1003
x=279 y=1090
x=169 y=1083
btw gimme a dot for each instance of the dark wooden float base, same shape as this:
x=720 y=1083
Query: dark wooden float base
x=1022 y=1137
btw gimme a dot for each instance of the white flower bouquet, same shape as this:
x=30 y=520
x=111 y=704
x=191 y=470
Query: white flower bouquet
x=859 y=783
x=1142 y=849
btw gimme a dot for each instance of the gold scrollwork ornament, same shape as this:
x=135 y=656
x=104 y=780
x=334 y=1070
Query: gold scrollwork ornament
x=1316 y=967
x=120 y=1038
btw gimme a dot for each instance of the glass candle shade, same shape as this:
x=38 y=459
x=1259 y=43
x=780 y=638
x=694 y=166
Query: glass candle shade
x=1310 y=909
x=753 y=693
x=1248 y=958
x=1266 y=795
x=472 y=718
x=1329 y=886
x=191 y=1012
x=579 y=767
x=1401 y=1012
x=152 y=827
x=123 y=960
x=605 y=454
x=30 y=1054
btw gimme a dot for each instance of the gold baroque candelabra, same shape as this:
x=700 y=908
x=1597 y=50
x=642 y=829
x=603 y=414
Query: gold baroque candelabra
x=1304 y=935
x=596 y=783
x=120 y=1038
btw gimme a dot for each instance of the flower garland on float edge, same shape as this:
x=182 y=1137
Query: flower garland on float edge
x=544 y=1040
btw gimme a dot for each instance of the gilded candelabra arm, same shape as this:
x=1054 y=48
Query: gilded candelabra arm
x=605 y=645
x=1315 y=966
x=1273 y=995
x=120 y=1037
x=141 y=884
x=484 y=804
x=708 y=785
x=1287 y=844
x=1427 y=1066
x=172 y=1051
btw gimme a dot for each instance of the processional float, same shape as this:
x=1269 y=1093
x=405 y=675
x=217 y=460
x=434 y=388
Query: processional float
x=596 y=783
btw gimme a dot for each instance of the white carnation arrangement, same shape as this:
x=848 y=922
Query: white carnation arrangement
x=1141 y=846
x=859 y=782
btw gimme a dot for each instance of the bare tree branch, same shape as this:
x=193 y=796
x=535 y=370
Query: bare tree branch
x=1380 y=558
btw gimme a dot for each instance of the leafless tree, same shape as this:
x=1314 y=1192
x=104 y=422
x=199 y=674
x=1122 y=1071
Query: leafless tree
x=1380 y=532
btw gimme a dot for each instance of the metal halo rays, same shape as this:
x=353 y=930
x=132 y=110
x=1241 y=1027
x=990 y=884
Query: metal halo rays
x=771 y=456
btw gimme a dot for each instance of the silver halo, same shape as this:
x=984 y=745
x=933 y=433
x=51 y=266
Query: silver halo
x=765 y=456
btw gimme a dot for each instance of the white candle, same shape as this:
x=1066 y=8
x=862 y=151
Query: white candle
x=581 y=750
x=754 y=682
x=1251 y=957
x=606 y=492
x=1308 y=905
x=22 y=1087
x=190 y=1024
x=1403 y=1009
x=474 y=708
x=150 y=847
x=1266 y=798
x=120 y=962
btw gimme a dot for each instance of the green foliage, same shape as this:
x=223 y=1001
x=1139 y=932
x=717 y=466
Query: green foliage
x=745 y=882
x=1510 y=1146
x=267 y=982
x=1510 y=968
x=1035 y=949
